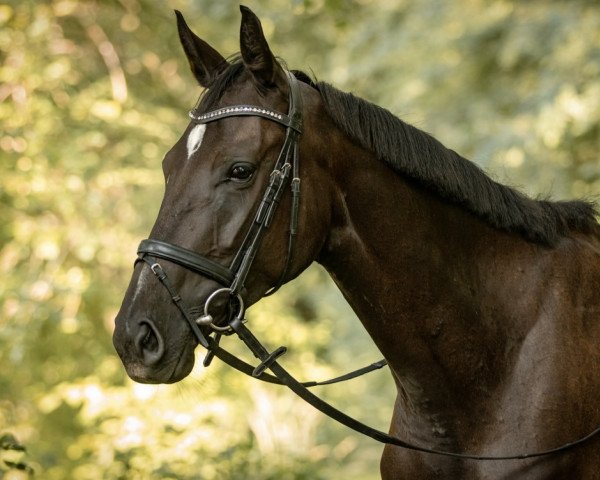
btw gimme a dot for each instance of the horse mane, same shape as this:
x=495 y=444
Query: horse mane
x=420 y=157
x=417 y=155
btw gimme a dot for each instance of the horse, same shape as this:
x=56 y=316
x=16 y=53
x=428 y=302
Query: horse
x=484 y=302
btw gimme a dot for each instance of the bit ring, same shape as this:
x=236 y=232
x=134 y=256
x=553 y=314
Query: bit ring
x=207 y=318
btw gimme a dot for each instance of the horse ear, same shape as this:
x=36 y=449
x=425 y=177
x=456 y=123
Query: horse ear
x=256 y=53
x=206 y=63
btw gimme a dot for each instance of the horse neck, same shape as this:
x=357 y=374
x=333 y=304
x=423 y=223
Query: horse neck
x=413 y=269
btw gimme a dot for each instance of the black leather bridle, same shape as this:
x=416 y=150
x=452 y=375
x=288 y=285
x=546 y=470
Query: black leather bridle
x=287 y=165
x=233 y=278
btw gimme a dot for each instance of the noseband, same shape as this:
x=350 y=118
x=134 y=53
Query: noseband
x=233 y=279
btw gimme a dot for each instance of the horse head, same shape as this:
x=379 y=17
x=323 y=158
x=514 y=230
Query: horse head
x=239 y=152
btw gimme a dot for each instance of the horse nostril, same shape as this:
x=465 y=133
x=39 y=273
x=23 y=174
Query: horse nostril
x=149 y=343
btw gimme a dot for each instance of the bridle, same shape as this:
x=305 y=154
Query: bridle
x=233 y=279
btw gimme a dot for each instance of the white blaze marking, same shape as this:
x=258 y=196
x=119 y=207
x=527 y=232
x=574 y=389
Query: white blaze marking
x=141 y=284
x=195 y=139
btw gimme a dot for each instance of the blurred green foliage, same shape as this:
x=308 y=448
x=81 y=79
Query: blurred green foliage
x=93 y=93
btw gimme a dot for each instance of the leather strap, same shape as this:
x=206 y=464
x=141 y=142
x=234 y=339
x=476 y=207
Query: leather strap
x=215 y=349
x=176 y=298
x=247 y=111
x=188 y=259
x=299 y=389
x=283 y=377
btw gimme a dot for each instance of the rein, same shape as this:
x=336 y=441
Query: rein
x=233 y=279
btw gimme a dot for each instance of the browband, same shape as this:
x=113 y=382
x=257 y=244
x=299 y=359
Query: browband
x=248 y=111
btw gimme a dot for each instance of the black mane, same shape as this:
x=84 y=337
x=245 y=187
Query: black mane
x=417 y=155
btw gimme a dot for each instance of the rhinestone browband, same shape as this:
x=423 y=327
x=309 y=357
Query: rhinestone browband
x=239 y=111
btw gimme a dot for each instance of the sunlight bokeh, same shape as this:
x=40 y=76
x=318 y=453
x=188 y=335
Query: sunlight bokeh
x=92 y=95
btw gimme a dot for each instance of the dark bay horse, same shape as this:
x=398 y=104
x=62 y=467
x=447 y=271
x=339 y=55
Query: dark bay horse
x=485 y=303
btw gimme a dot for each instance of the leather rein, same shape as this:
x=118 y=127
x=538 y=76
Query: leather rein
x=286 y=170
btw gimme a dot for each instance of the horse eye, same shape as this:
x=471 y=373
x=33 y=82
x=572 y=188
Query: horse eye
x=241 y=172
